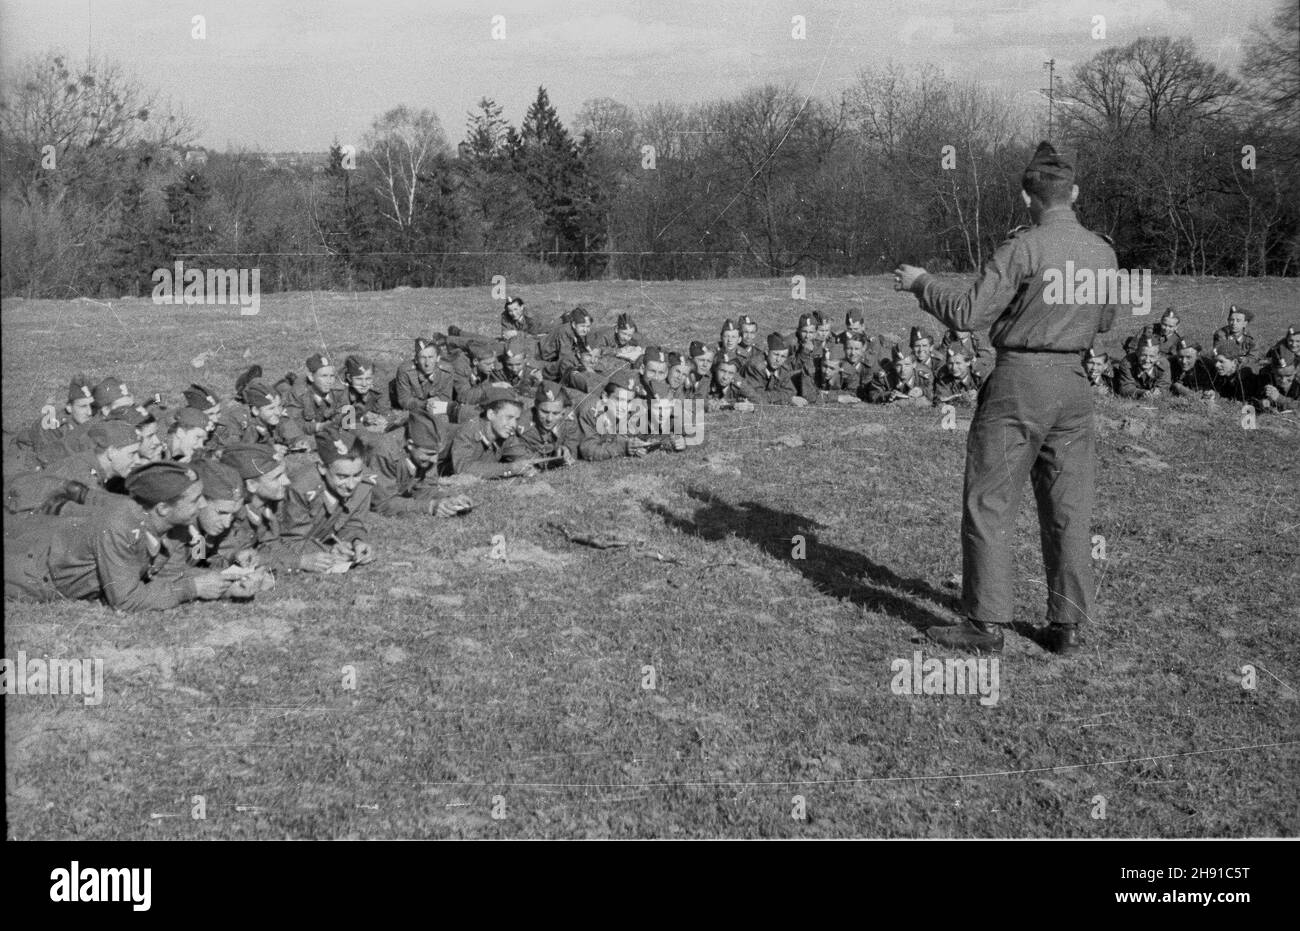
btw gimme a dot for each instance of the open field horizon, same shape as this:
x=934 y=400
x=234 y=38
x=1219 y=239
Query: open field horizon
x=515 y=686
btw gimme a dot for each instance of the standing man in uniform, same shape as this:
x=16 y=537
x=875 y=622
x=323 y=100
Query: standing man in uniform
x=1035 y=414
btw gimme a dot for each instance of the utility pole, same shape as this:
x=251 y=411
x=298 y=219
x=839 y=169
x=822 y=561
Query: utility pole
x=1050 y=91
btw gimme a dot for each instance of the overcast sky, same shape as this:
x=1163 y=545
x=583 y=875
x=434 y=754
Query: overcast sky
x=284 y=75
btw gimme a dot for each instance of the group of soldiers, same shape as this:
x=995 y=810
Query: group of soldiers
x=141 y=505
x=1160 y=361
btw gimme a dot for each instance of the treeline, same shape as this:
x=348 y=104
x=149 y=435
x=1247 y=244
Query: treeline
x=1189 y=169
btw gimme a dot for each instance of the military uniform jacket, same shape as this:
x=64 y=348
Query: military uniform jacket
x=1245 y=342
x=1192 y=381
x=524 y=384
x=596 y=427
x=1103 y=382
x=214 y=552
x=1164 y=337
x=373 y=401
x=412 y=388
x=1288 y=400
x=1132 y=382
x=83 y=468
x=768 y=386
x=561 y=351
x=474 y=451
x=524 y=324
x=111 y=554
x=311 y=514
x=948 y=389
x=1009 y=296
x=401 y=487
x=310 y=410
x=260 y=523
x=1239 y=386
x=536 y=443
x=1279 y=356
x=850 y=377
x=237 y=425
x=886 y=387
x=746 y=354
x=720 y=397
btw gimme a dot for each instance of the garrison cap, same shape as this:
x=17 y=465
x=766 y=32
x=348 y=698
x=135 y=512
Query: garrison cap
x=1227 y=349
x=135 y=415
x=159 y=481
x=332 y=445
x=625 y=322
x=1148 y=342
x=221 y=482
x=317 y=361
x=547 y=392
x=112 y=434
x=79 y=388
x=1183 y=345
x=511 y=301
x=674 y=360
x=1234 y=309
x=356 y=365
x=1096 y=351
x=1286 y=368
x=482 y=352
x=256 y=394
x=625 y=379
x=109 y=390
x=422 y=344
x=776 y=342
x=1047 y=163
x=806 y=320
x=726 y=358
x=1290 y=331
x=746 y=320
x=958 y=352
x=729 y=326
x=513 y=354
x=654 y=354
x=899 y=354
x=1169 y=312
x=917 y=335
x=818 y=318
x=496 y=395
x=698 y=349
x=853 y=316
x=197 y=396
x=250 y=460
x=579 y=314
x=187 y=418
x=424 y=431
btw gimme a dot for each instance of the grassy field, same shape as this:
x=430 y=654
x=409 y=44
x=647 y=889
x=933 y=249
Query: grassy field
x=514 y=686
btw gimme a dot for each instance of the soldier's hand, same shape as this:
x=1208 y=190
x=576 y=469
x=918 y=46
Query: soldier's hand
x=915 y=393
x=317 y=562
x=677 y=443
x=636 y=446
x=362 y=552
x=848 y=399
x=798 y=401
x=524 y=470
x=450 y=507
x=905 y=276
x=567 y=455
x=1271 y=393
x=246 y=558
x=209 y=586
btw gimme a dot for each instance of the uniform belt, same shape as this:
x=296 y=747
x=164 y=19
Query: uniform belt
x=1039 y=357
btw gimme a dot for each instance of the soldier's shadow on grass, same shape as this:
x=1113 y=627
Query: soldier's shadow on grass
x=835 y=571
